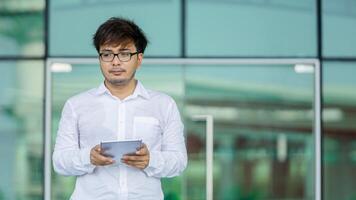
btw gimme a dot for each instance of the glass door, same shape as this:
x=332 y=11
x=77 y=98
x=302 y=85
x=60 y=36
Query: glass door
x=249 y=124
x=263 y=119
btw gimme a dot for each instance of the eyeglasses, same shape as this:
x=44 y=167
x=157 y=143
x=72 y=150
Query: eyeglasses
x=122 y=56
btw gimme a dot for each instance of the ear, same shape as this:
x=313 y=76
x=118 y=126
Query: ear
x=139 y=60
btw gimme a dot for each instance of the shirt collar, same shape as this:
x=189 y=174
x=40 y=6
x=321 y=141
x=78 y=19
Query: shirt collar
x=139 y=90
x=101 y=89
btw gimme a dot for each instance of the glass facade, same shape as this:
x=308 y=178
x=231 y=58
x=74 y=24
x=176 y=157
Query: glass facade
x=21 y=28
x=73 y=23
x=263 y=131
x=21 y=129
x=263 y=146
x=339 y=19
x=262 y=155
x=251 y=28
x=339 y=130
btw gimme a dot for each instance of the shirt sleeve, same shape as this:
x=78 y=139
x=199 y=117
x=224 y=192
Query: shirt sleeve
x=68 y=158
x=171 y=160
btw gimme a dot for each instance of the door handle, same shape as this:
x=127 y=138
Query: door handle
x=209 y=151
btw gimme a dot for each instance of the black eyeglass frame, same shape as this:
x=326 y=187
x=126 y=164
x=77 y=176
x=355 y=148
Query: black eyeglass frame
x=117 y=54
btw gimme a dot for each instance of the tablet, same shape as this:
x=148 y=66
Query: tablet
x=116 y=149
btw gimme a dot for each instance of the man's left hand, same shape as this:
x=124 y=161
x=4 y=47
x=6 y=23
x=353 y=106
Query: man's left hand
x=139 y=160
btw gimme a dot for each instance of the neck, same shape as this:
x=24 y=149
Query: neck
x=121 y=91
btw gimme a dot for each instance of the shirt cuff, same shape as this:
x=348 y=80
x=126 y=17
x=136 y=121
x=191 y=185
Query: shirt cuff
x=85 y=158
x=155 y=164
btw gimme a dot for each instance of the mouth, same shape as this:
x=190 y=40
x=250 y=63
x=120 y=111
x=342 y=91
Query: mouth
x=116 y=72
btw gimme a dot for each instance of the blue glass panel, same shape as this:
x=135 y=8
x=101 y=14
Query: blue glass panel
x=21 y=133
x=21 y=28
x=339 y=116
x=339 y=28
x=73 y=23
x=251 y=28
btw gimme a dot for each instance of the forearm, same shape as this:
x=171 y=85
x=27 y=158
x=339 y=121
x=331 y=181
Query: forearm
x=170 y=159
x=73 y=162
x=166 y=163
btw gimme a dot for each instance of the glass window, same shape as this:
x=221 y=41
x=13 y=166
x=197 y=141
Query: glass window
x=251 y=28
x=263 y=125
x=339 y=116
x=263 y=131
x=21 y=130
x=22 y=29
x=339 y=30
x=73 y=23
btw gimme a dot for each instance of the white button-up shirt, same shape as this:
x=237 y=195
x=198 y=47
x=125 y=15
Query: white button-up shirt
x=96 y=115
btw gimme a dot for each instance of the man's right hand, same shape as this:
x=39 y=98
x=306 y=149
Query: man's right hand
x=98 y=159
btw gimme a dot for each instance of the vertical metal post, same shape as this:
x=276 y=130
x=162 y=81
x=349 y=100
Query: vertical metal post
x=209 y=152
x=317 y=128
x=47 y=142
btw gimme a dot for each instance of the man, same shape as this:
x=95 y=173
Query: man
x=120 y=108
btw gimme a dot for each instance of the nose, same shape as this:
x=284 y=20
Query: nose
x=116 y=60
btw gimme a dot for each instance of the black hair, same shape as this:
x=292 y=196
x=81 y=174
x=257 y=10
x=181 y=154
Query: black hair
x=120 y=31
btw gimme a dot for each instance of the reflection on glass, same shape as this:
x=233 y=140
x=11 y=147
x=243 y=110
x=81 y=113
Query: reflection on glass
x=339 y=19
x=251 y=28
x=196 y=170
x=21 y=122
x=339 y=127
x=263 y=131
x=22 y=29
x=263 y=126
x=72 y=27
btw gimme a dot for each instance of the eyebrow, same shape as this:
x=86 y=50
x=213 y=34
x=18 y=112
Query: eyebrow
x=109 y=50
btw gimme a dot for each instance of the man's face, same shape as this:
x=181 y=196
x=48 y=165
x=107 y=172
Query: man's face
x=117 y=72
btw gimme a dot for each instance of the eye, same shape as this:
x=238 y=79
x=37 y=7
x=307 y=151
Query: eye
x=106 y=54
x=125 y=54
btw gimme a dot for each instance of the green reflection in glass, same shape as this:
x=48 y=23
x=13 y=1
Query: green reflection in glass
x=251 y=28
x=22 y=29
x=339 y=28
x=21 y=117
x=339 y=130
x=263 y=131
x=273 y=105
x=73 y=24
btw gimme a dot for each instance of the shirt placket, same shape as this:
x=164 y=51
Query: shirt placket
x=121 y=136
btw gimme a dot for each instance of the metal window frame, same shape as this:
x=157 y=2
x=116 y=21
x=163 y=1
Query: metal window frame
x=187 y=61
